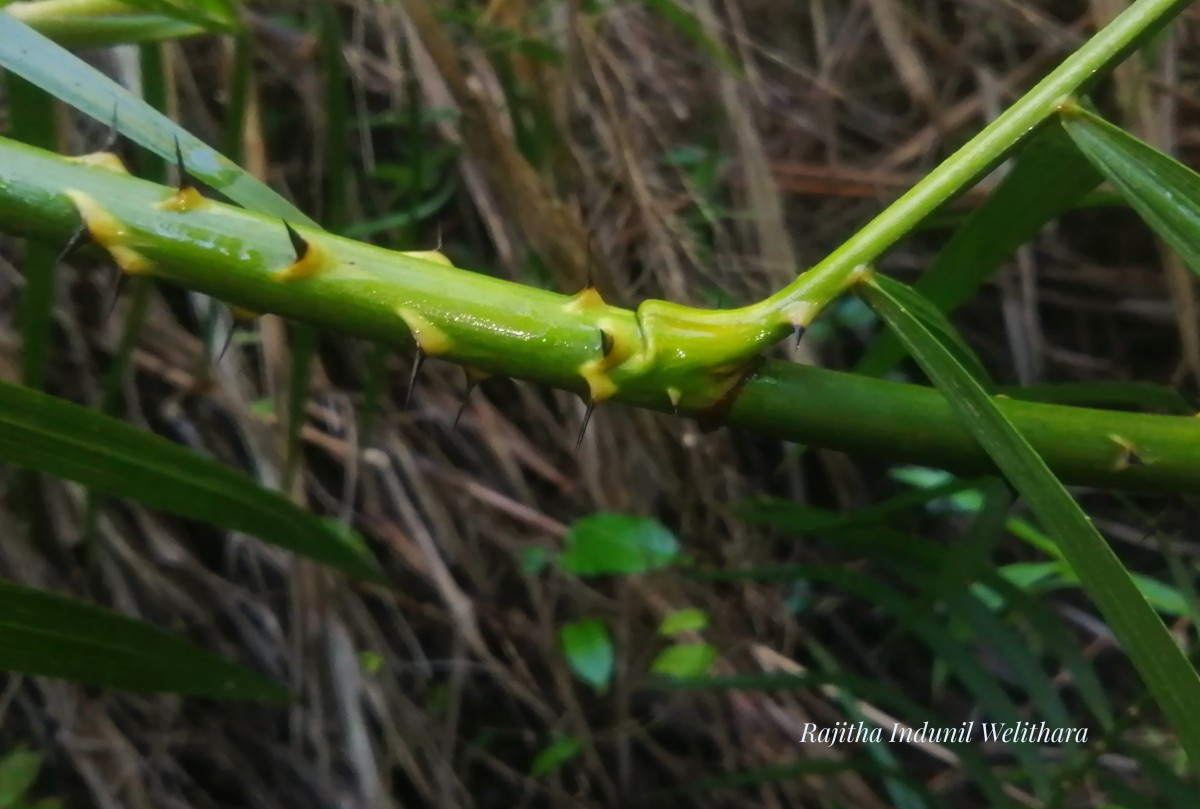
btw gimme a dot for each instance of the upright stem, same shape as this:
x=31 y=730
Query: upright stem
x=830 y=278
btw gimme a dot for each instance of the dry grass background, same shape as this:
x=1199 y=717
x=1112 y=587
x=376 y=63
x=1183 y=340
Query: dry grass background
x=843 y=104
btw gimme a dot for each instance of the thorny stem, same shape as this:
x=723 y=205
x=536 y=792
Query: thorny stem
x=575 y=342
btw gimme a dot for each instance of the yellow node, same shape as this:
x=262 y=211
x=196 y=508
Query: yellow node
x=184 y=200
x=585 y=300
x=429 y=255
x=430 y=339
x=861 y=273
x=100 y=160
x=110 y=233
x=801 y=314
x=1128 y=454
x=600 y=384
x=312 y=262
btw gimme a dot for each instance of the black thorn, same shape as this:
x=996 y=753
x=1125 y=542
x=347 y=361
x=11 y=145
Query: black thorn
x=110 y=140
x=73 y=244
x=587 y=416
x=298 y=244
x=799 y=334
x=462 y=406
x=181 y=180
x=606 y=342
x=226 y=344
x=122 y=279
x=418 y=361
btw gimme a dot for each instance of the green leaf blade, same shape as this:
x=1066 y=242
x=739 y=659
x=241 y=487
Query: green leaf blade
x=48 y=635
x=64 y=75
x=1048 y=178
x=59 y=438
x=1167 y=673
x=1164 y=192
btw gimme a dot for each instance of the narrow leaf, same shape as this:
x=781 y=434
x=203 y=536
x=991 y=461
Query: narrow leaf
x=1167 y=673
x=48 y=635
x=66 y=76
x=1048 y=178
x=63 y=439
x=1162 y=190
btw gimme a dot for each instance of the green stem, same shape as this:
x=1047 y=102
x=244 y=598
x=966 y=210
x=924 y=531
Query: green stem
x=508 y=329
x=814 y=289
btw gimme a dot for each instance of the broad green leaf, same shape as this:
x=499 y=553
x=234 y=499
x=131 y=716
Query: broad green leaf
x=589 y=651
x=684 y=660
x=605 y=544
x=114 y=458
x=48 y=635
x=554 y=755
x=1167 y=673
x=66 y=76
x=1162 y=190
x=680 y=621
x=1048 y=178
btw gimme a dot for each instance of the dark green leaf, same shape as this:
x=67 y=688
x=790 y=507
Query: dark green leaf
x=1162 y=190
x=64 y=75
x=1048 y=178
x=59 y=438
x=1168 y=674
x=51 y=636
